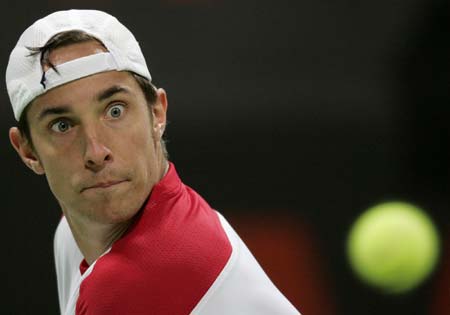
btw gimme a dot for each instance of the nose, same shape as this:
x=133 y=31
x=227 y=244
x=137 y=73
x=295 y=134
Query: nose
x=97 y=154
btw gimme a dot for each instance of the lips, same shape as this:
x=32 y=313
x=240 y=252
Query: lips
x=102 y=185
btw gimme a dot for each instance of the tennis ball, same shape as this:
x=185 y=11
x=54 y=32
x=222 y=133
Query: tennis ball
x=393 y=246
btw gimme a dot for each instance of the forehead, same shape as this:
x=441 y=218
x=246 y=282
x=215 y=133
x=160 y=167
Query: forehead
x=70 y=52
x=81 y=96
x=87 y=89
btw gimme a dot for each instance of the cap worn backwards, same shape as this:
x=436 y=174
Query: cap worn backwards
x=25 y=78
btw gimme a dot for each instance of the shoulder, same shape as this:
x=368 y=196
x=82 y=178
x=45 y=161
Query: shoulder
x=166 y=267
x=243 y=282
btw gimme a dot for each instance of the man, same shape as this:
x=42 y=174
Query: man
x=133 y=238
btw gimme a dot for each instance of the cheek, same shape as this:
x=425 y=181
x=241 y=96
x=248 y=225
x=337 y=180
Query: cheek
x=60 y=169
x=141 y=135
x=141 y=148
x=59 y=176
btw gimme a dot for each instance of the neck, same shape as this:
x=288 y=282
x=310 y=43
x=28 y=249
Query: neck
x=94 y=239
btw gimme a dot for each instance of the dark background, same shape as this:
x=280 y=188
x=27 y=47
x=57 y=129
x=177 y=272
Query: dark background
x=308 y=110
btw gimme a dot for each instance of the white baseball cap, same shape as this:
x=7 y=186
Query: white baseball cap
x=25 y=79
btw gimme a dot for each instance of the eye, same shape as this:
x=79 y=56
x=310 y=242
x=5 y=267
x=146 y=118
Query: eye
x=61 y=126
x=115 y=111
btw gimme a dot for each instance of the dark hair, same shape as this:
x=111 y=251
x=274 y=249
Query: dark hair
x=69 y=38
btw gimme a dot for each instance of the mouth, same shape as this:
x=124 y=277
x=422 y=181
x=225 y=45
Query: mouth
x=104 y=185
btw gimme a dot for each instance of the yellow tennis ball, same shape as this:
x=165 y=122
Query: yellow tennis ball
x=393 y=246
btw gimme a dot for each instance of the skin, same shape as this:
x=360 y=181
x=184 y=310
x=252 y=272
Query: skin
x=100 y=151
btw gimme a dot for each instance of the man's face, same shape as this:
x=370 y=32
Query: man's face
x=97 y=141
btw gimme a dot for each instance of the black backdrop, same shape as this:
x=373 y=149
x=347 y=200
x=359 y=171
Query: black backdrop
x=320 y=107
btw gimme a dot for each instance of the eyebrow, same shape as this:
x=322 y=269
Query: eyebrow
x=110 y=92
x=64 y=109
x=57 y=110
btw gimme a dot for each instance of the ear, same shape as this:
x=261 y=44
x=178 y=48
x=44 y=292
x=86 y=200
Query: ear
x=159 y=112
x=25 y=151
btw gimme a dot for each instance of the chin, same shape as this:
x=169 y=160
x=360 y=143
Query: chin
x=111 y=212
